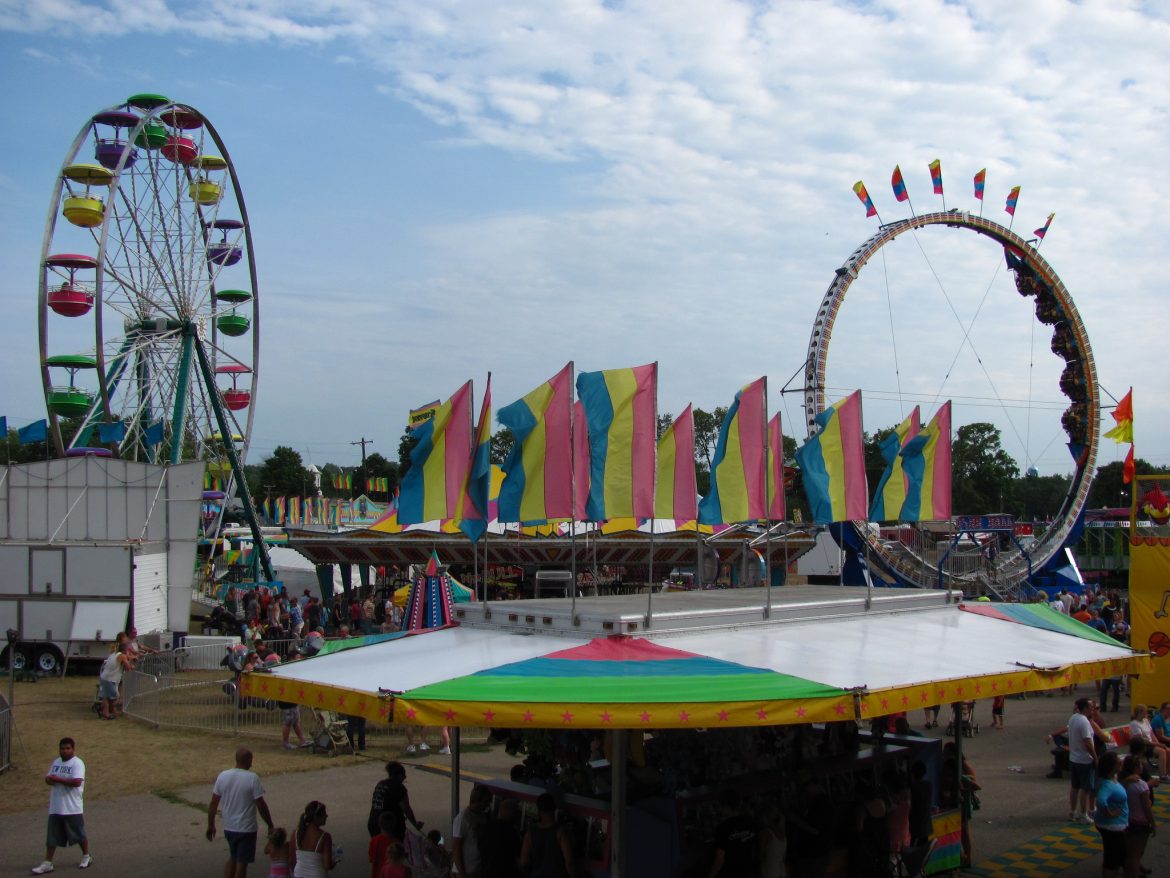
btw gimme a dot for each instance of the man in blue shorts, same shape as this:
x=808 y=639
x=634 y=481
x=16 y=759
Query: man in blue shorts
x=238 y=790
x=66 y=780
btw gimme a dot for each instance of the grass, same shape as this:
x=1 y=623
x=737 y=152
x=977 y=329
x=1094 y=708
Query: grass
x=129 y=757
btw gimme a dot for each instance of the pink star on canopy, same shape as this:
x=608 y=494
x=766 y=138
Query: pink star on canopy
x=567 y=717
x=528 y=716
x=411 y=714
x=605 y=717
x=684 y=717
x=645 y=717
x=840 y=708
x=489 y=715
x=761 y=714
x=885 y=703
x=800 y=711
x=450 y=714
x=724 y=716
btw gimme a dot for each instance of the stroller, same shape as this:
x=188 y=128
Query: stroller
x=965 y=717
x=330 y=736
x=427 y=858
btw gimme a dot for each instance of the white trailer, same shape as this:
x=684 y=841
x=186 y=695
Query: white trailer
x=91 y=546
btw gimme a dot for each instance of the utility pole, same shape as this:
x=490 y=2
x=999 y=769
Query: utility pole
x=363 y=442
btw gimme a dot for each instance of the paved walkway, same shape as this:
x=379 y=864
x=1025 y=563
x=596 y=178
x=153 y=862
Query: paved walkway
x=1019 y=831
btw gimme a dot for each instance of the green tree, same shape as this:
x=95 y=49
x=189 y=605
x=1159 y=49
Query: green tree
x=502 y=442
x=375 y=466
x=982 y=473
x=405 y=445
x=665 y=419
x=284 y=473
x=1109 y=490
x=1037 y=498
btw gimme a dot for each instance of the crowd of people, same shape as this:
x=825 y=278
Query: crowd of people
x=1112 y=789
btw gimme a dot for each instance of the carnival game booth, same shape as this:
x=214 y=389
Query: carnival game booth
x=798 y=670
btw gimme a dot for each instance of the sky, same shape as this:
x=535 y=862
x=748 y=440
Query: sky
x=440 y=189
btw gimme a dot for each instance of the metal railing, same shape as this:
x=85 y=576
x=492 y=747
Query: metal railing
x=5 y=735
x=187 y=688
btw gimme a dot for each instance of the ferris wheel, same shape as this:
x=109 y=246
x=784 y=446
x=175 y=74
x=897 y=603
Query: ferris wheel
x=1065 y=420
x=149 y=318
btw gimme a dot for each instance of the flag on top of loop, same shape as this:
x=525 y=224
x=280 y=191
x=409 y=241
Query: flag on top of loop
x=776 y=507
x=737 y=469
x=890 y=494
x=899 y=185
x=832 y=463
x=439 y=462
x=538 y=472
x=927 y=462
x=621 y=413
x=675 y=494
x=980 y=183
x=471 y=513
x=936 y=176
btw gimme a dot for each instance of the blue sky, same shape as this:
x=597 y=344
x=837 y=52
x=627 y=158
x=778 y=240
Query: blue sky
x=441 y=189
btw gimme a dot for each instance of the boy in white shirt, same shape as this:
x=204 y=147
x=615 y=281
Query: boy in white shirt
x=66 y=780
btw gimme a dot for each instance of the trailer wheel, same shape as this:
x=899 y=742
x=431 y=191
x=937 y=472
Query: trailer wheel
x=17 y=659
x=49 y=661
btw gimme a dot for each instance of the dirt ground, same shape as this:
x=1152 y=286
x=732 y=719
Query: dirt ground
x=128 y=757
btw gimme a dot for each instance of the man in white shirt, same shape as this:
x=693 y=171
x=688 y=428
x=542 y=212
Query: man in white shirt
x=1082 y=758
x=66 y=780
x=238 y=790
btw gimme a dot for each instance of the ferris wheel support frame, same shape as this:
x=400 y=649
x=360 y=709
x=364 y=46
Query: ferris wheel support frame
x=1017 y=569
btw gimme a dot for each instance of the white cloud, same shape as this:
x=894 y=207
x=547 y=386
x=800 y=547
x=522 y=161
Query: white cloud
x=709 y=148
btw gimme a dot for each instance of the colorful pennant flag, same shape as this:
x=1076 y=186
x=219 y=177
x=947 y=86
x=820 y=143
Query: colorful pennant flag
x=281 y=509
x=266 y=508
x=621 y=412
x=737 y=469
x=776 y=506
x=1012 y=199
x=1123 y=432
x=1123 y=417
x=890 y=494
x=936 y=176
x=439 y=462
x=343 y=482
x=675 y=493
x=421 y=415
x=472 y=512
x=899 y=185
x=833 y=464
x=863 y=195
x=980 y=183
x=1043 y=230
x=926 y=459
x=294 y=510
x=538 y=472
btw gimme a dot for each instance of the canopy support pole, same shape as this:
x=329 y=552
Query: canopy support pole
x=455 y=745
x=617 y=815
x=650 y=578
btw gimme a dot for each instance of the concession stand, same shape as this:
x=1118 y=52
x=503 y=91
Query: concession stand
x=640 y=713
